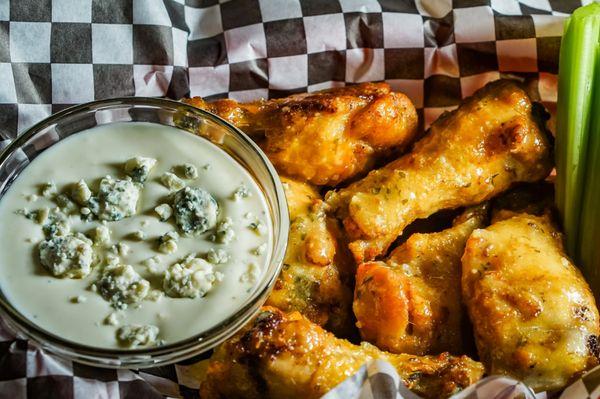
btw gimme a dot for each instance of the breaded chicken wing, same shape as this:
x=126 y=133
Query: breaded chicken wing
x=411 y=302
x=534 y=315
x=282 y=355
x=490 y=142
x=315 y=266
x=328 y=136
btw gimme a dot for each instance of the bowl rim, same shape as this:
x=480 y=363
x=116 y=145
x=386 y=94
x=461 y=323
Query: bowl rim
x=198 y=343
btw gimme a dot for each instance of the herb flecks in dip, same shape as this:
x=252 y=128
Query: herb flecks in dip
x=116 y=240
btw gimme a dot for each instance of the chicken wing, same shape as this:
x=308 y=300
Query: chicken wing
x=282 y=355
x=411 y=302
x=534 y=315
x=325 y=137
x=490 y=142
x=315 y=266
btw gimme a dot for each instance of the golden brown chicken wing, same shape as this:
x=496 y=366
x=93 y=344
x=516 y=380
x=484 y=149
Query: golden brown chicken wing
x=325 y=137
x=315 y=266
x=533 y=314
x=468 y=156
x=282 y=355
x=411 y=302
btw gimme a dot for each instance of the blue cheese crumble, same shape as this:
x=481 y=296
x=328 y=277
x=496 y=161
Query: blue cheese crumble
x=48 y=190
x=153 y=265
x=240 y=193
x=192 y=278
x=78 y=299
x=117 y=199
x=164 y=212
x=251 y=275
x=224 y=233
x=138 y=168
x=167 y=243
x=39 y=215
x=195 y=210
x=260 y=249
x=171 y=181
x=188 y=171
x=65 y=203
x=57 y=225
x=68 y=256
x=138 y=235
x=112 y=319
x=81 y=193
x=120 y=249
x=217 y=256
x=258 y=227
x=134 y=335
x=101 y=236
x=122 y=286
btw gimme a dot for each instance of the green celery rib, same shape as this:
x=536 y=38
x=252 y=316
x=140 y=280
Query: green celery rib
x=576 y=75
x=589 y=230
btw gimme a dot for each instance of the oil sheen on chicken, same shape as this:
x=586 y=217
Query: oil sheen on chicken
x=411 y=303
x=534 y=315
x=325 y=137
x=470 y=155
x=280 y=355
x=315 y=276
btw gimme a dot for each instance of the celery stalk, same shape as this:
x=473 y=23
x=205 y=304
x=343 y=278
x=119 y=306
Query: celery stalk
x=589 y=225
x=576 y=75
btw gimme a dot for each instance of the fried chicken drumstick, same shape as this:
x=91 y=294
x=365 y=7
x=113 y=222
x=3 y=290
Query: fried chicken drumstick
x=280 y=355
x=315 y=268
x=470 y=155
x=411 y=303
x=534 y=315
x=325 y=137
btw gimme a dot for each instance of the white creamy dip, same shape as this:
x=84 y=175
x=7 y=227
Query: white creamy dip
x=180 y=282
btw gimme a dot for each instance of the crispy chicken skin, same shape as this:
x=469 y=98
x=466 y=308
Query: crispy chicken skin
x=411 y=303
x=325 y=137
x=281 y=355
x=533 y=314
x=314 y=267
x=470 y=155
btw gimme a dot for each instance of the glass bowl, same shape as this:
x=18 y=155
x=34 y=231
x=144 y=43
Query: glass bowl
x=15 y=157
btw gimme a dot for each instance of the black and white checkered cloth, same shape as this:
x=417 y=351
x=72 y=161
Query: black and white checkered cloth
x=26 y=371
x=56 y=53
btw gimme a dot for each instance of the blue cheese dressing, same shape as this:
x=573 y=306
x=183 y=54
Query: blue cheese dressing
x=132 y=235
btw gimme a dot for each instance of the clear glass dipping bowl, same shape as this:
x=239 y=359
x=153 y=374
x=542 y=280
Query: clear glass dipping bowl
x=73 y=120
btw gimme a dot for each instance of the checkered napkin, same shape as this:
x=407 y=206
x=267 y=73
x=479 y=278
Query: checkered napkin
x=56 y=53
